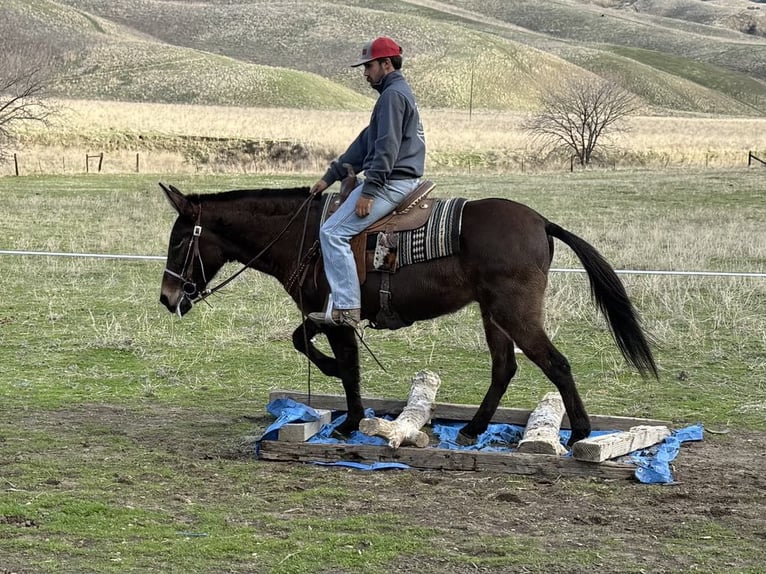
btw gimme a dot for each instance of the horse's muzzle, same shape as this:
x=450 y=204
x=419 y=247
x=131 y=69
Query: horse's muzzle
x=179 y=304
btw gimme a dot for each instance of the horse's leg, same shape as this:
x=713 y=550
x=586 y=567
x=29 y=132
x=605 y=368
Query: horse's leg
x=541 y=351
x=346 y=350
x=503 y=368
x=516 y=314
x=302 y=342
x=522 y=312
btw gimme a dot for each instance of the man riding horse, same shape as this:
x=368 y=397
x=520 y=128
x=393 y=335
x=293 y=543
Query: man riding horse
x=391 y=151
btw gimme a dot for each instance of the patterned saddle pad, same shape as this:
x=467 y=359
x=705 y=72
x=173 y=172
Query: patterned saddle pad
x=438 y=237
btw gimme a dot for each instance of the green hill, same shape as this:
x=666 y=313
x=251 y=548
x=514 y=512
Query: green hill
x=488 y=54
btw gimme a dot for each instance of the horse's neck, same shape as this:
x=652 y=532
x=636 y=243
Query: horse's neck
x=266 y=239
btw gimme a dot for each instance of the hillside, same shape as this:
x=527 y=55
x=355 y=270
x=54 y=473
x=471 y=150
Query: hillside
x=744 y=16
x=699 y=57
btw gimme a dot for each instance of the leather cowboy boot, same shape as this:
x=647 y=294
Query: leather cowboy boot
x=337 y=317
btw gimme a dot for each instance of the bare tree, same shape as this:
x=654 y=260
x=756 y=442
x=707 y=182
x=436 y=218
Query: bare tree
x=21 y=101
x=579 y=114
x=24 y=76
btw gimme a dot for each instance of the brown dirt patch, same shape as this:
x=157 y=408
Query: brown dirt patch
x=720 y=480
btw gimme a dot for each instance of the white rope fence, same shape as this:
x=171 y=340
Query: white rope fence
x=87 y=255
x=682 y=273
x=555 y=270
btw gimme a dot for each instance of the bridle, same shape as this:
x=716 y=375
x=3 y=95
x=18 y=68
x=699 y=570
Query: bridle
x=189 y=287
x=190 y=292
x=187 y=271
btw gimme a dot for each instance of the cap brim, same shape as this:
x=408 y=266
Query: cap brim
x=362 y=62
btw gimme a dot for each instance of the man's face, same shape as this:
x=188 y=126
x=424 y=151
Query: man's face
x=375 y=71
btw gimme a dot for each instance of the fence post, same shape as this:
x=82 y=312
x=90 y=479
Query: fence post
x=100 y=161
x=16 y=164
x=137 y=163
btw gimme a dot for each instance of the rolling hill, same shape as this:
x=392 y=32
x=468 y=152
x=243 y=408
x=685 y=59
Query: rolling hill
x=681 y=56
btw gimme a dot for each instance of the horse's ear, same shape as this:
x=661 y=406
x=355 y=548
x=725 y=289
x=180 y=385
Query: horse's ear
x=178 y=200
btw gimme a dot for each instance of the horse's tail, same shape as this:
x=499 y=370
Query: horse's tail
x=608 y=294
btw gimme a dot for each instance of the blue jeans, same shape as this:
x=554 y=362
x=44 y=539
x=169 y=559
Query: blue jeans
x=335 y=239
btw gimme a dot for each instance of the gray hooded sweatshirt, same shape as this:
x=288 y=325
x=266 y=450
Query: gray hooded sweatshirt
x=393 y=146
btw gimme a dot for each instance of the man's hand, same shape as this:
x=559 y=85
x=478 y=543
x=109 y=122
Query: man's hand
x=319 y=187
x=363 y=206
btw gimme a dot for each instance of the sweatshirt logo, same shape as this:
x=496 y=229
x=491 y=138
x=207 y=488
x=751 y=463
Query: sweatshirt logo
x=421 y=132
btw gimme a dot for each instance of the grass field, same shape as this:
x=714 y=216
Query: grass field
x=121 y=423
x=126 y=435
x=215 y=139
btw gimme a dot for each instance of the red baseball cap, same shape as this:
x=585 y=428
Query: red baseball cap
x=382 y=47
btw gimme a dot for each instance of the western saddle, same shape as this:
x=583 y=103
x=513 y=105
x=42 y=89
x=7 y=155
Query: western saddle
x=412 y=212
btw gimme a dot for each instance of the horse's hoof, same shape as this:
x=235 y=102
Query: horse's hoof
x=465 y=440
x=338 y=434
x=577 y=436
x=344 y=430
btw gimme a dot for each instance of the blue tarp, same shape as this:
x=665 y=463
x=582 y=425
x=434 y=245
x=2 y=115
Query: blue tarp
x=652 y=464
x=287 y=410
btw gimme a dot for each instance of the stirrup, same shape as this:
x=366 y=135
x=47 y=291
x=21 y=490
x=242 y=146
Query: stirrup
x=337 y=317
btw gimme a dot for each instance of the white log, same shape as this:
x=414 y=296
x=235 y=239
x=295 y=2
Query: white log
x=406 y=428
x=601 y=448
x=541 y=435
x=301 y=432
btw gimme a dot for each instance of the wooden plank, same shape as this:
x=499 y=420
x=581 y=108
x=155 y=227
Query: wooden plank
x=445 y=459
x=608 y=446
x=300 y=432
x=454 y=412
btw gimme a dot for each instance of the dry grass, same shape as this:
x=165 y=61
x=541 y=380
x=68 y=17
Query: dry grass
x=458 y=141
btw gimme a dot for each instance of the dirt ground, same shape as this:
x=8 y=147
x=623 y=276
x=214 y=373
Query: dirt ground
x=721 y=481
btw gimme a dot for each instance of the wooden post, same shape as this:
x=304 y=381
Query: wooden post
x=470 y=95
x=301 y=432
x=541 y=435
x=100 y=161
x=406 y=428
x=16 y=164
x=137 y=163
x=608 y=446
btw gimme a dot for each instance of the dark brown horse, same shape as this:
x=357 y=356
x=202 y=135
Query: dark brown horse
x=505 y=253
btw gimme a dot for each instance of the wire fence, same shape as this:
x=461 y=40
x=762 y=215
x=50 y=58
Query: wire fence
x=553 y=270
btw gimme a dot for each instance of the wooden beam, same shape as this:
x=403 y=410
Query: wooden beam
x=445 y=459
x=601 y=448
x=300 y=432
x=453 y=412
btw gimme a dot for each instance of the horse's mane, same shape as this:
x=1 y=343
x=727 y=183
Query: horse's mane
x=269 y=200
x=259 y=194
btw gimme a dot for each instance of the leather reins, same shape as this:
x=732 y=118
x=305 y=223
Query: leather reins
x=192 y=253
